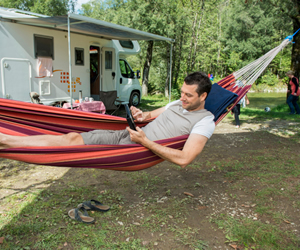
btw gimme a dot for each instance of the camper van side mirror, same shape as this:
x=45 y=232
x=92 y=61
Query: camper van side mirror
x=138 y=74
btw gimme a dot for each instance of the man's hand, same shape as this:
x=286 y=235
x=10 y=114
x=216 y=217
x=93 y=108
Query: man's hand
x=137 y=114
x=180 y=157
x=141 y=116
x=137 y=136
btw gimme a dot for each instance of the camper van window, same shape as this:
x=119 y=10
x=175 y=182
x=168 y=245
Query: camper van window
x=108 y=59
x=79 y=55
x=43 y=46
x=125 y=69
x=126 y=44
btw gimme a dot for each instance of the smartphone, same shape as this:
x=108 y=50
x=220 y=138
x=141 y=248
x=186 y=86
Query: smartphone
x=129 y=117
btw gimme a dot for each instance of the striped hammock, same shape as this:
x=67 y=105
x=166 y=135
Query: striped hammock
x=23 y=119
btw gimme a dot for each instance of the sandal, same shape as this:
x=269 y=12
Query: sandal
x=75 y=214
x=97 y=206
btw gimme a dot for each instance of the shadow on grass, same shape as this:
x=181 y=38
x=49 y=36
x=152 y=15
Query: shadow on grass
x=135 y=216
x=149 y=207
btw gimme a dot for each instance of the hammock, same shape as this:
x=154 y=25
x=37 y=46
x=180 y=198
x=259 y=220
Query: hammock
x=21 y=118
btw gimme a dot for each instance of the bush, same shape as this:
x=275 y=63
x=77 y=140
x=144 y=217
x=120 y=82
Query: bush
x=269 y=79
x=175 y=94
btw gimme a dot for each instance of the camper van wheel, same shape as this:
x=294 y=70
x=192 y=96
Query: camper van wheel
x=134 y=99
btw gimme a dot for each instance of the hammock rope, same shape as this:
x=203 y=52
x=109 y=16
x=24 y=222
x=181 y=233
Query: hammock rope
x=20 y=118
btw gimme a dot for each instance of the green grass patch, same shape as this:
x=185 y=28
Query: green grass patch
x=251 y=234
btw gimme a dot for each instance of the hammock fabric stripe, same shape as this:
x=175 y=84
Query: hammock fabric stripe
x=54 y=120
x=23 y=119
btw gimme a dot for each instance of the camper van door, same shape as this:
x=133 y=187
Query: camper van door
x=16 y=79
x=109 y=70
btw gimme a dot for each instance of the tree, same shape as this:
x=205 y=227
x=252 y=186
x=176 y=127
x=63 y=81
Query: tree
x=47 y=7
x=290 y=9
x=252 y=29
x=214 y=36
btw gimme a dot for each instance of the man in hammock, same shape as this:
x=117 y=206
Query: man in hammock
x=181 y=117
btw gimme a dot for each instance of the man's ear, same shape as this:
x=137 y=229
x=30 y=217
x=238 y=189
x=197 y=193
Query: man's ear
x=203 y=96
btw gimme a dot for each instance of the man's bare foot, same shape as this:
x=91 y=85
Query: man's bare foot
x=3 y=145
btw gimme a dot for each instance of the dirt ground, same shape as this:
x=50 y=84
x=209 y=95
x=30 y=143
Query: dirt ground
x=212 y=196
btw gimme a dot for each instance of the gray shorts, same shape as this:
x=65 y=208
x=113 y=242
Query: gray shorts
x=107 y=137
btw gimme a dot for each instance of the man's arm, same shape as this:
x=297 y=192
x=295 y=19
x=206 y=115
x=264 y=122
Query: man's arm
x=140 y=116
x=294 y=80
x=193 y=146
x=247 y=100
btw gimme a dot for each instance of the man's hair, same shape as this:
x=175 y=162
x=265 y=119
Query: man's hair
x=290 y=72
x=201 y=80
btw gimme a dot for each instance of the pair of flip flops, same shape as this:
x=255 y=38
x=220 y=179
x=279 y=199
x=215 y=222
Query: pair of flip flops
x=80 y=213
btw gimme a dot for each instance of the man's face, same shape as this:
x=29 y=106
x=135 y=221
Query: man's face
x=190 y=99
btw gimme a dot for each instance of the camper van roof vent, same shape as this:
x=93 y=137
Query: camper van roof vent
x=126 y=44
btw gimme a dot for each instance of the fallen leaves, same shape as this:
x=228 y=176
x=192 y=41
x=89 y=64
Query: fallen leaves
x=245 y=205
x=145 y=243
x=188 y=194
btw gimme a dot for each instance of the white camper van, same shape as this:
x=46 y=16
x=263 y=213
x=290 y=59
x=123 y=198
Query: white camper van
x=43 y=54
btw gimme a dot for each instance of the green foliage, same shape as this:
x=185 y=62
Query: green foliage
x=47 y=7
x=269 y=79
x=213 y=36
x=50 y=7
x=175 y=93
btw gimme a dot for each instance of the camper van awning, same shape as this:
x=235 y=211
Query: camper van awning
x=89 y=26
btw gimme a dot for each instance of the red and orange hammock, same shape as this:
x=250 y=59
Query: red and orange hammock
x=21 y=118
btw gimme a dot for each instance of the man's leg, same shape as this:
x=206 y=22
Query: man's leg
x=295 y=99
x=289 y=102
x=236 y=115
x=10 y=141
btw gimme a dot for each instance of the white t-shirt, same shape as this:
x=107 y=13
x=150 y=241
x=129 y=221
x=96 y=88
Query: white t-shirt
x=204 y=127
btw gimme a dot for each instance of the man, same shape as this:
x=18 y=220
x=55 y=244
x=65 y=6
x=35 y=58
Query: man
x=295 y=92
x=185 y=116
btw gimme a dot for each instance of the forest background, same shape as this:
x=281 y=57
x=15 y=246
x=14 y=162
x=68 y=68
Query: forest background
x=214 y=36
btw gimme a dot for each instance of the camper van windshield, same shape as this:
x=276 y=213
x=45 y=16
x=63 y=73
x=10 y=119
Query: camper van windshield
x=126 y=71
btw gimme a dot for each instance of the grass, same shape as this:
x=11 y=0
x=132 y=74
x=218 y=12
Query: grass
x=152 y=102
x=254 y=235
x=149 y=209
x=279 y=112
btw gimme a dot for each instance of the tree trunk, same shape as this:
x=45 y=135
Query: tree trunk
x=177 y=69
x=168 y=75
x=295 y=51
x=146 y=69
x=193 y=58
x=189 y=60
